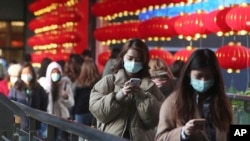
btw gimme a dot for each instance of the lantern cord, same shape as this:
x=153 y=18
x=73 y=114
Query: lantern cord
x=248 y=56
x=200 y=43
x=222 y=41
x=190 y=43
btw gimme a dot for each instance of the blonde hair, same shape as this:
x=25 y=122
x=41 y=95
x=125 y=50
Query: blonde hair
x=158 y=66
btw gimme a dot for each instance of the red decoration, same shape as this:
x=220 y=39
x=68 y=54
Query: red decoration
x=161 y=53
x=184 y=54
x=221 y=20
x=57 y=38
x=191 y=25
x=233 y=56
x=158 y=27
x=39 y=4
x=57 y=17
x=103 y=57
x=110 y=7
x=238 y=18
x=118 y=31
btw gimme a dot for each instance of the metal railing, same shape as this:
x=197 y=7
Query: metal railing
x=74 y=130
x=10 y=131
x=241 y=107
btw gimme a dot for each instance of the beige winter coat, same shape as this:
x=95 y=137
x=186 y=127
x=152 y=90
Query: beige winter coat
x=139 y=114
x=169 y=130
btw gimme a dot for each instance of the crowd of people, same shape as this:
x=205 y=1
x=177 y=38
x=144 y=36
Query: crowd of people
x=136 y=97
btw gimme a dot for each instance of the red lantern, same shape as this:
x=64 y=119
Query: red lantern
x=158 y=27
x=184 y=54
x=221 y=19
x=103 y=57
x=233 y=56
x=238 y=18
x=161 y=53
x=191 y=25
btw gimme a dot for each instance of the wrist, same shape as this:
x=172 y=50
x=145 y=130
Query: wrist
x=120 y=95
x=184 y=136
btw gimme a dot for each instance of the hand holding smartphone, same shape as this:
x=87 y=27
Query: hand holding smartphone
x=200 y=123
x=135 y=81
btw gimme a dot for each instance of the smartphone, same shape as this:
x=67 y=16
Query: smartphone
x=200 y=122
x=135 y=81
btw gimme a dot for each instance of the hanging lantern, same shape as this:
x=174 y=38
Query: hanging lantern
x=233 y=57
x=184 y=54
x=161 y=53
x=191 y=26
x=238 y=19
x=221 y=20
x=161 y=27
x=103 y=57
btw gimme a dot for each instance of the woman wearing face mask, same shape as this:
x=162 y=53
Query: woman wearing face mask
x=28 y=91
x=60 y=94
x=121 y=108
x=199 y=109
x=162 y=76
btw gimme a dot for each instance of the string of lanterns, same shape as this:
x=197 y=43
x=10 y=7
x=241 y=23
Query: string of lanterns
x=227 y=21
x=55 y=27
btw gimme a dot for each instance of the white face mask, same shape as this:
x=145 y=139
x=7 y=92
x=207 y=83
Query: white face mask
x=13 y=80
x=26 y=78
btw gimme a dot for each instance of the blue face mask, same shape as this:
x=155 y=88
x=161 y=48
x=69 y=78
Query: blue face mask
x=132 y=67
x=55 y=77
x=200 y=85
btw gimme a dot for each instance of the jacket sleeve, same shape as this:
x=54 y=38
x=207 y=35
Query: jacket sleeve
x=167 y=129
x=70 y=101
x=102 y=103
x=148 y=106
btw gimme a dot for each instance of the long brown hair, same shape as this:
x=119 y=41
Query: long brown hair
x=89 y=74
x=220 y=108
x=142 y=48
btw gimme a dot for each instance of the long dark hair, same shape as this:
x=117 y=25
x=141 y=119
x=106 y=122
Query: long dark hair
x=20 y=85
x=142 y=48
x=220 y=108
x=44 y=64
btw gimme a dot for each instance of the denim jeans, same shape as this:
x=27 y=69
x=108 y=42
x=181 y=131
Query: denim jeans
x=85 y=119
x=43 y=130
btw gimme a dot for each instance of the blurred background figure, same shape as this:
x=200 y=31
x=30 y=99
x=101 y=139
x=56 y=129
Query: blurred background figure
x=4 y=89
x=110 y=65
x=28 y=91
x=176 y=68
x=8 y=79
x=162 y=76
x=42 y=73
x=87 y=55
x=60 y=95
x=89 y=75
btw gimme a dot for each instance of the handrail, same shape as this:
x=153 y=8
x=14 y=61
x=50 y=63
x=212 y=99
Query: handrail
x=69 y=126
x=4 y=101
x=238 y=97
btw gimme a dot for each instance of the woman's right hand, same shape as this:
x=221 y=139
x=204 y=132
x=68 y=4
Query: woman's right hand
x=127 y=89
x=192 y=127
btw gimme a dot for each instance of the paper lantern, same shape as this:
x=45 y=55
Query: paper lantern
x=238 y=19
x=184 y=54
x=158 y=27
x=161 y=53
x=233 y=57
x=191 y=25
x=103 y=57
